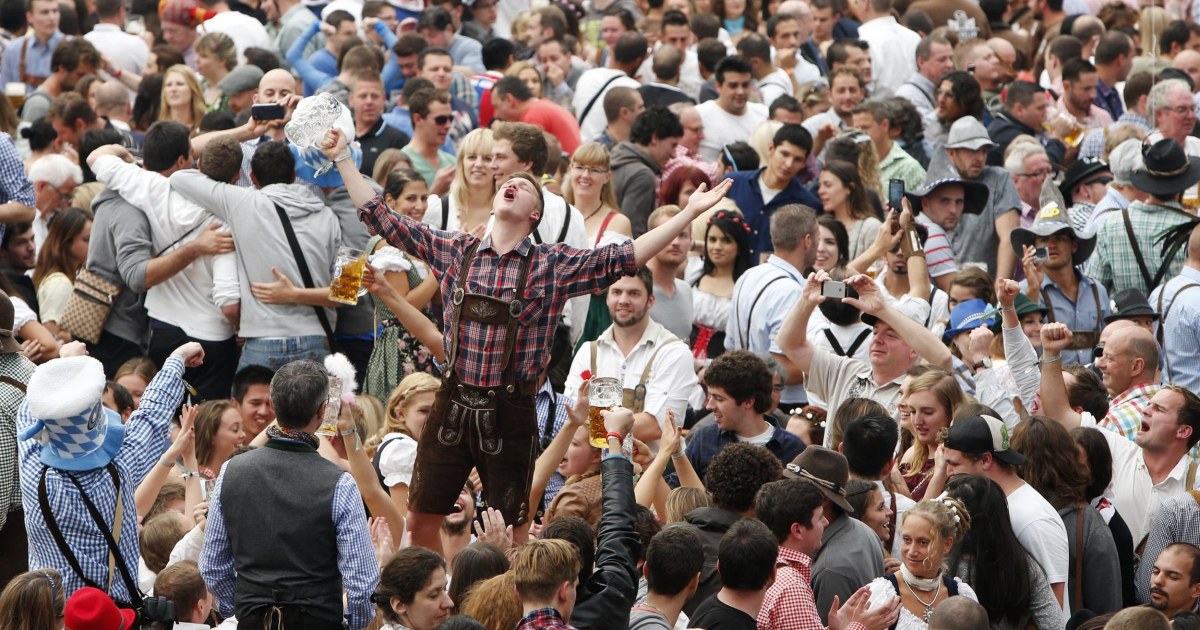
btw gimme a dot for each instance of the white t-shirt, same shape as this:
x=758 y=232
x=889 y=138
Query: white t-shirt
x=774 y=85
x=1041 y=532
x=399 y=456
x=761 y=439
x=767 y=193
x=245 y=31
x=722 y=128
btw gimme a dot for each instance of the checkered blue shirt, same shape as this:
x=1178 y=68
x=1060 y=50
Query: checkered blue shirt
x=14 y=186
x=547 y=402
x=145 y=442
x=356 y=556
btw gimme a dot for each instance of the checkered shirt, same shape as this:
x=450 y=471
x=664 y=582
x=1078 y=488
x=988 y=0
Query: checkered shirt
x=557 y=272
x=14 y=186
x=19 y=368
x=789 y=604
x=543 y=618
x=1177 y=520
x=145 y=441
x=1113 y=263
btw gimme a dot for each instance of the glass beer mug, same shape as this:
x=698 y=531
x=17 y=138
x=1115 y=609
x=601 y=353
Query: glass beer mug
x=604 y=394
x=346 y=286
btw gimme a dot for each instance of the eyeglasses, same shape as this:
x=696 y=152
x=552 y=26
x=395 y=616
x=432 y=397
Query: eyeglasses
x=1036 y=174
x=1181 y=110
x=590 y=170
x=444 y=119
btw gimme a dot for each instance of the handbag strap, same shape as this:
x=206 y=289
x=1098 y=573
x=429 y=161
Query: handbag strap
x=302 y=263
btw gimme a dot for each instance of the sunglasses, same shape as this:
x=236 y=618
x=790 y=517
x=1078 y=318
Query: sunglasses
x=444 y=119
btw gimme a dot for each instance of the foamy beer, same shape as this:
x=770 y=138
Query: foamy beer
x=15 y=91
x=604 y=394
x=346 y=286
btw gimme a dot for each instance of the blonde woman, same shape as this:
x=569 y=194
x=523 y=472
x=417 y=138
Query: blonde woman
x=468 y=206
x=182 y=97
x=216 y=56
x=589 y=188
x=930 y=401
x=407 y=409
x=563 y=95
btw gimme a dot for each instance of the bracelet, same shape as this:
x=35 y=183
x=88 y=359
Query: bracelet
x=1009 y=309
x=342 y=158
x=614 y=435
x=679 y=454
x=166 y=464
x=189 y=475
x=1054 y=359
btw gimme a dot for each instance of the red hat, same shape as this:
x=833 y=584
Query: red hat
x=92 y=609
x=185 y=12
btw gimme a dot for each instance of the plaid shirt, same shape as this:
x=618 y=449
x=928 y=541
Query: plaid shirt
x=557 y=272
x=145 y=441
x=17 y=367
x=1176 y=520
x=1114 y=265
x=14 y=186
x=543 y=618
x=789 y=603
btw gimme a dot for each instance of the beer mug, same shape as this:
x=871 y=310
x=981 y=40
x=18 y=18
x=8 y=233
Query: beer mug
x=15 y=91
x=604 y=394
x=346 y=286
x=333 y=406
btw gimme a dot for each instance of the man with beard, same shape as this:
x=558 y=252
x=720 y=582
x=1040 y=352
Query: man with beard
x=730 y=117
x=1024 y=114
x=653 y=365
x=1175 y=580
x=847 y=89
x=456 y=527
x=769 y=290
x=1079 y=94
x=981 y=238
x=70 y=61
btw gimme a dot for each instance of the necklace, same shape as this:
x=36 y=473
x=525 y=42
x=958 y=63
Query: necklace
x=593 y=212
x=928 y=605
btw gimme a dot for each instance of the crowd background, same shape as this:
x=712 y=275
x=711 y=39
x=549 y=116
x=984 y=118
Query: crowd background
x=932 y=343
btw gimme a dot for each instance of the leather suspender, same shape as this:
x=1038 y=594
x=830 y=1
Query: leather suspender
x=1151 y=283
x=750 y=313
x=837 y=347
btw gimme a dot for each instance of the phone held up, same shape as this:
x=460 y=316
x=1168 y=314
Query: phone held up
x=896 y=194
x=267 y=111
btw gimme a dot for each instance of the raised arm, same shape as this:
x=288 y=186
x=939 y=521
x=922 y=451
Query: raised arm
x=1055 y=402
x=548 y=461
x=335 y=147
x=347 y=444
x=649 y=244
x=926 y=344
x=793 y=334
x=1018 y=350
x=413 y=320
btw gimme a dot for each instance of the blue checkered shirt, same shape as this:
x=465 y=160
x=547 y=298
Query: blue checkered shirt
x=544 y=401
x=1177 y=520
x=14 y=186
x=704 y=444
x=145 y=441
x=356 y=556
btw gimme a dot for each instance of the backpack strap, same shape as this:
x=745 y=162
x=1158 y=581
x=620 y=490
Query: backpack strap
x=1162 y=324
x=305 y=273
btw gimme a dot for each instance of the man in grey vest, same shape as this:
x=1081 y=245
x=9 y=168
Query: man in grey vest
x=286 y=528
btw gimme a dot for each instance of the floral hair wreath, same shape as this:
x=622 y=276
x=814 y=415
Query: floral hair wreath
x=950 y=504
x=732 y=217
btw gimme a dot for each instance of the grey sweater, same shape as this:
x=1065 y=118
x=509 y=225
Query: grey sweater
x=262 y=246
x=120 y=250
x=634 y=180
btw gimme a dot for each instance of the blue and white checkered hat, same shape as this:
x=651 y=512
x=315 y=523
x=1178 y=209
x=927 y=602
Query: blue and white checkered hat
x=77 y=432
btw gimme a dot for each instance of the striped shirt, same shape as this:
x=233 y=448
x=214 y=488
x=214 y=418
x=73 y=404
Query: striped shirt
x=557 y=272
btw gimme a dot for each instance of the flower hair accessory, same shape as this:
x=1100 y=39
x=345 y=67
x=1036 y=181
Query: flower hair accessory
x=586 y=375
x=948 y=502
x=732 y=217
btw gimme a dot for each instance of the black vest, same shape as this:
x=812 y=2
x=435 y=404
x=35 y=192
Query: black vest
x=277 y=502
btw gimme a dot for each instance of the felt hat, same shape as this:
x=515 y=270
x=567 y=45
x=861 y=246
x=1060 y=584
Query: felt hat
x=968 y=133
x=1051 y=219
x=975 y=194
x=8 y=341
x=983 y=434
x=92 y=609
x=241 y=79
x=1025 y=306
x=1129 y=303
x=186 y=12
x=1081 y=170
x=967 y=316
x=77 y=431
x=826 y=468
x=1167 y=170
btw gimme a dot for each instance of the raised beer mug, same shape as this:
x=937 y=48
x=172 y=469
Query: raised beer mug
x=346 y=284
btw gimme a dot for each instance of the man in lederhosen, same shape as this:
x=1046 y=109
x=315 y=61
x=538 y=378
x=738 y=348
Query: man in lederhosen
x=503 y=295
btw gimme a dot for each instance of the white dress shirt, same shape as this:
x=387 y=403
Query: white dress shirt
x=753 y=326
x=125 y=51
x=893 y=51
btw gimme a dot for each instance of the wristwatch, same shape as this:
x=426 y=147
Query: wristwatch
x=983 y=364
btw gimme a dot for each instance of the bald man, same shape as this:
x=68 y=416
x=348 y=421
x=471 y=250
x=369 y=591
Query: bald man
x=1178 y=305
x=112 y=102
x=1188 y=61
x=959 y=613
x=1128 y=368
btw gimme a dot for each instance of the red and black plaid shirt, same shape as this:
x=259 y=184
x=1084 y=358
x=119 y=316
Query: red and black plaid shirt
x=557 y=272
x=543 y=618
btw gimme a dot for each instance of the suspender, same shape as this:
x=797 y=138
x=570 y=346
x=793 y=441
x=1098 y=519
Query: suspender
x=1095 y=298
x=638 y=402
x=446 y=212
x=562 y=234
x=749 y=314
x=837 y=347
x=1163 y=324
x=1151 y=283
x=460 y=296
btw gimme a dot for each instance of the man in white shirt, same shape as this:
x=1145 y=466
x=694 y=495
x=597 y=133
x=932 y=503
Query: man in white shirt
x=788 y=30
x=654 y=366
x=1152 y=468
x=765 y=293
x=245 y=31
x=201 y=301
x=935 y=57
x=893 y=47
x=627 y=56
x=772 y=81
x=182 y=585
x=978 y=445
x=730 y=117
x=127 y=53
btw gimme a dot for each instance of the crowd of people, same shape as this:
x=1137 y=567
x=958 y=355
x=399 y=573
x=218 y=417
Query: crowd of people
x=896 y=294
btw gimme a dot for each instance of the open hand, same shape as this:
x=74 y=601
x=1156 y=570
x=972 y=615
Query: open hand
x=282 y=291
x=577 y=415
x=490 y=528
x=213 y=240
x=705 y=198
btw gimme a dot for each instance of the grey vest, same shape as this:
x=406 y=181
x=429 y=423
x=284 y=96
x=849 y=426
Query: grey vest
x=278 y=507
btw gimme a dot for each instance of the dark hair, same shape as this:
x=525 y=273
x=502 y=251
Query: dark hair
x=734 y=226
x=1190 y=550
x=167 y=56
x=399 y=179
x=755 y=46
x=774 y=20
x=1076 y=68
x=273 y=163
x=1099 y=460
x=858 y=201
x=71 y=51
x=622 y=14
x=837 y=53
x=1065 y=48
x=746 y=556
x=181 y=583
x=91 y=140
x=646 y=524
x=527 y=142
x=655 y=122
x=630 y=47
x=148 y=101
x=298 y=391
x=405 y=575
x=436 y=18
x=998 y=567
x=121 y=396
x=966 y=91
x=707 y=27
x=829 y=222
x=795 y=135
x=744 y=156
x=1112 y=44
x=1021 y=93
x=55 y=254
x=460 y=622
x=1137 y=86
x=475 y=563
x=737 y=473
x=618 y=98
x=785 y=502
x=249 y=376
x=673 y=184
x=709 y=52
x=431 y=52
x=514 y=86
x=918 y=21
x=71 y=107
x=166 y=142
x=40 y=133
x=217 y=120
x=1189 y=413
x=409 y=44
x=496 y=53
x=675 y=17
x=12 y=15
x=1175 y=32
x=751 y=13
x=1087 y=392
x=266 y=60
x=13 y=229
x=1048 y=466
x=672 y=560
x=734 y=63
x=785 y=103
x=837 y=311
x=578 y=532
x=868 y=444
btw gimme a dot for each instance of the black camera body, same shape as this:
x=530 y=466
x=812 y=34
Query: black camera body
x=156 y=609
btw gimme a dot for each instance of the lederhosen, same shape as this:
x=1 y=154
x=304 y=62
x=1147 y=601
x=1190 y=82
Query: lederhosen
x=493 y=429
x=27 y=78
x=1081 y=339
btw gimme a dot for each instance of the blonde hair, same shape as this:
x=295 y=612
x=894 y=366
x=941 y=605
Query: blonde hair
x=683 y=500
x=493 y=602
x=388 y=161
x=158 y=537
x=400 y=399
x=592 y=154
x=541 y=567
x=947 y=393
x=479 y=141
x=198 y=105
x=517 y=68
x=761 y=138
x=948 y=515
x=1151 y=24
x=372 y=411
x=1116 y=134
x=142 y=367
x=219 y=46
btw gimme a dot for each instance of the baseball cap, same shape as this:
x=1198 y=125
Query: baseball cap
x=983 y=434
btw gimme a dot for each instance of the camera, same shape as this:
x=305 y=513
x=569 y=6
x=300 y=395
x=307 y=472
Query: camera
x=156 y=612
x=1041 y=255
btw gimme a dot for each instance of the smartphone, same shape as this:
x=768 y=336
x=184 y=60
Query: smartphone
x=833 y=289
x=1041 y=255
x=267 y=111
x=895 y=194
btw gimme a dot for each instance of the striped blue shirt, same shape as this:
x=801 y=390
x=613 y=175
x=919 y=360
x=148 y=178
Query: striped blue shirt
x=146 y=439
x=1181 y=335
